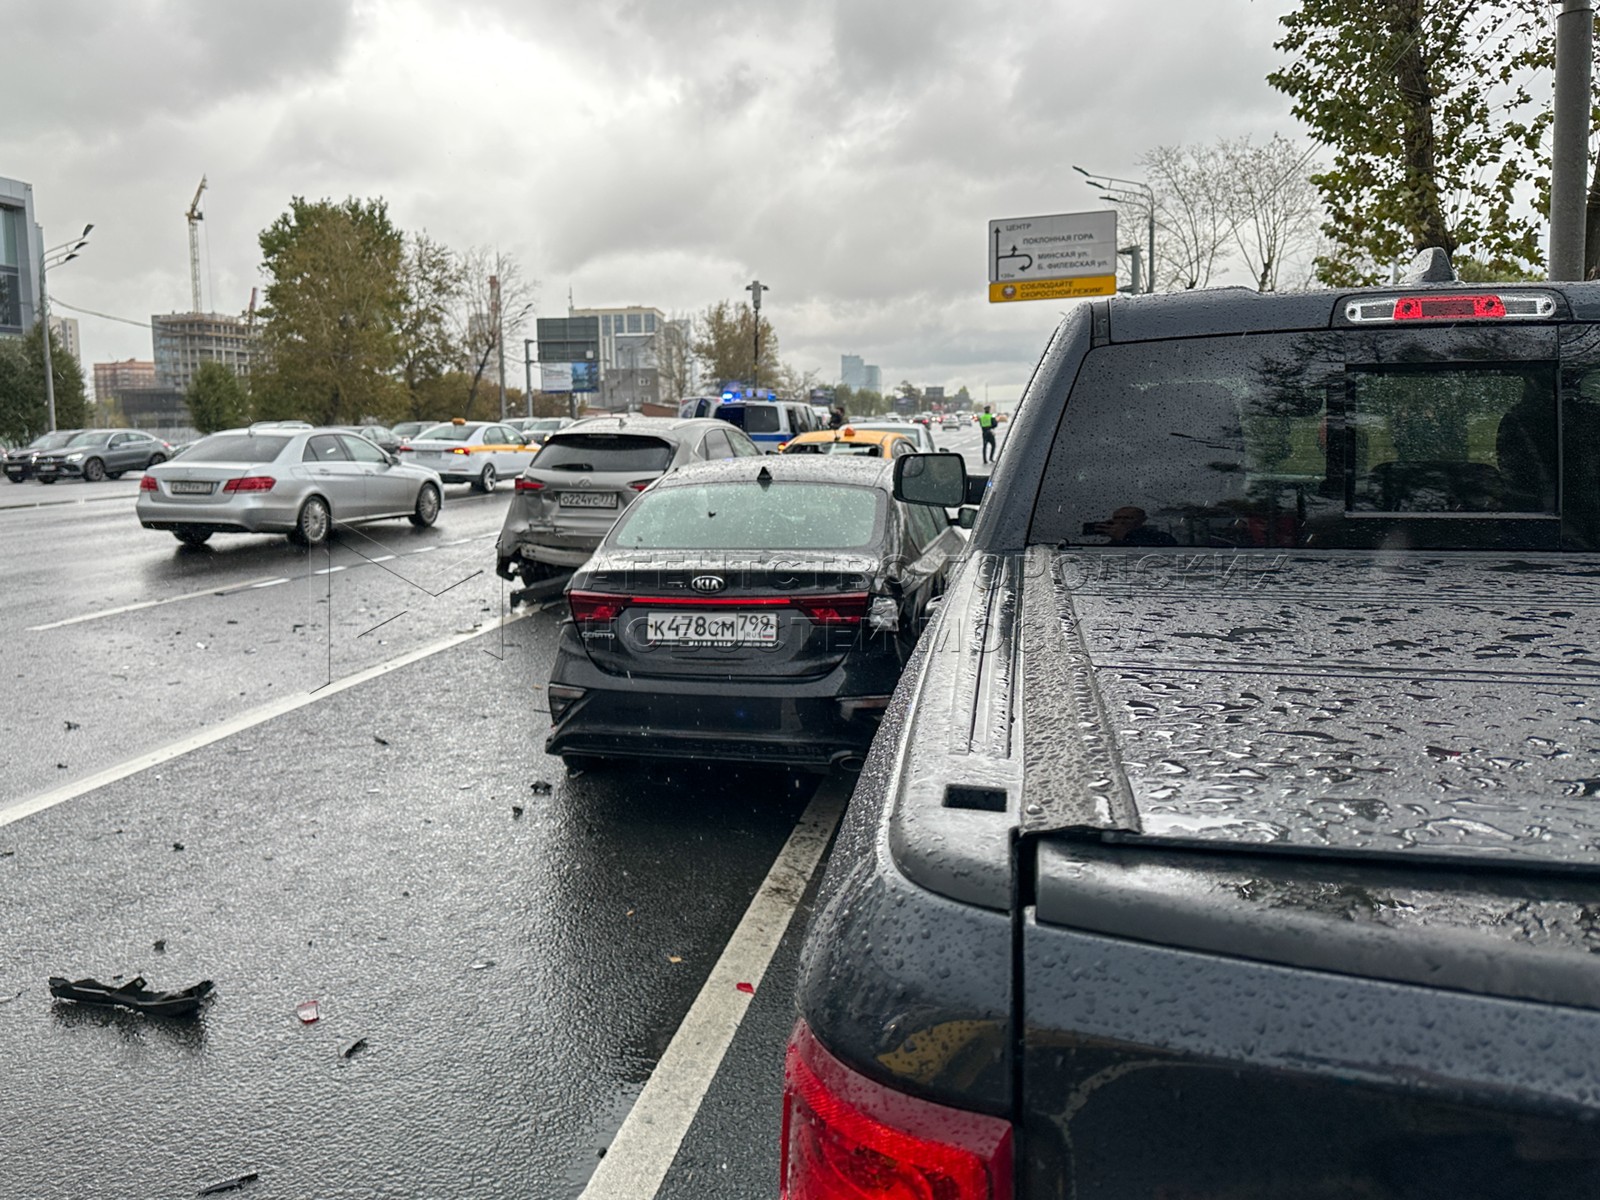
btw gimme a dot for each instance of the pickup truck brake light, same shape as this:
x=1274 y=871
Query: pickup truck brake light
x=1459 y=306
x=847 y=1137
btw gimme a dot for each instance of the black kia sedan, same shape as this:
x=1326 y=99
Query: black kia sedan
x=756 y=610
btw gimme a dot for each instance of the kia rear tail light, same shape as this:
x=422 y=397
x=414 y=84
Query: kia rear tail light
x=847 y=608
x=595 y=608
x=528 y=485
x=147 y=483
x=250 y=483
x=847 y=1137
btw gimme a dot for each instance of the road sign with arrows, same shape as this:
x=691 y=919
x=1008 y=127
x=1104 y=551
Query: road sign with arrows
x=1053 y=258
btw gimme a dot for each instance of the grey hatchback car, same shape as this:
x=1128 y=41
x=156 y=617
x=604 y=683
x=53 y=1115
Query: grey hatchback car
x=583 y=476
x=284 y=480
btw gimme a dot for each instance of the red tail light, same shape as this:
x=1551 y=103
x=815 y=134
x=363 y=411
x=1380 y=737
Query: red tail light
x=847 y=608
x=147 y=483
x=459 y=450
x=847 y=1137
x=1421 y=308
x=639 y=485
x=402 y=448
x=595 y=608
x=250 y=483
x=528 y=485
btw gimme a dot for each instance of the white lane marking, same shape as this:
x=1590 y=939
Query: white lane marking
x=238 y=724
x=638 y=1158
x=127 y=608
x=381 y=558
x=327 y=570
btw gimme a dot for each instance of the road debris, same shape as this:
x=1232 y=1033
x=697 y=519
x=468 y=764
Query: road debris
x=749 y=989
x=379 y=740
x=483 y=964
x=159 y=946
x=71 y=725
x=353 y=1048
x=308 y=1011
x=540 y=787
x=133 y=995
x=228 y=1185
x=177 y=845
x=673 y=958
x=516 y=812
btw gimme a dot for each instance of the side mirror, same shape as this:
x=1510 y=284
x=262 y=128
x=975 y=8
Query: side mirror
x=966 y=516
x=935 y=479
x=977 y=485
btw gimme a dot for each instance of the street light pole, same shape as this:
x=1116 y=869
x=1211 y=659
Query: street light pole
x=1150 y=200
x=755 y=287
x=527 y=375
x=71 y=249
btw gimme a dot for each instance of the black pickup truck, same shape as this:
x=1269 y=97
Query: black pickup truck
x=1234 y=833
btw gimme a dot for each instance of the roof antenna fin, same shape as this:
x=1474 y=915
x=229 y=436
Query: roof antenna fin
x=764 y=476
x=1432 y=265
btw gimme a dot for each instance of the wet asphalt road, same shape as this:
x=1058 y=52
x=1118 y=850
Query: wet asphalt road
x=510 y=978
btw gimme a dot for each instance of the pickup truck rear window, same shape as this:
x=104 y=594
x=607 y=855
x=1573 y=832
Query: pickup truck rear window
x=1277 y=441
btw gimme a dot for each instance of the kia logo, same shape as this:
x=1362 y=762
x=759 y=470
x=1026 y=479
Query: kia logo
x=707 y=583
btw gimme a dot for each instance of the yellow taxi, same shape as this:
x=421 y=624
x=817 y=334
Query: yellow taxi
x=475 y=452
x=868 y=443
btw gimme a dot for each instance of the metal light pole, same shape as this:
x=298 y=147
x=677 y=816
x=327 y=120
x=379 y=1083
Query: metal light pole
x=755 y=287
x=527 y=375
x=1150 y=200
x=71 y=252
x=1569 y=150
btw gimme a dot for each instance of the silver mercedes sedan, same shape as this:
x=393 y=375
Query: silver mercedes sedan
x=277 y=479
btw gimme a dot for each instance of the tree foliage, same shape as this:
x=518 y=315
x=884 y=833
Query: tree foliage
x=216 y=399
x=429 y=331
x=335 y=302
x=24 y=408
x=674 y=347
x=724 y=342
x=1425 y=106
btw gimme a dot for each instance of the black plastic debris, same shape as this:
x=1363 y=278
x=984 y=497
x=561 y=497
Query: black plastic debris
x=228 y=1185
x=354 y=1048
x=133 y=995
x=516 y=812
x=379 y=740
x=160 y=946
x=540 y=787
x=177 y=845
x=71 y=725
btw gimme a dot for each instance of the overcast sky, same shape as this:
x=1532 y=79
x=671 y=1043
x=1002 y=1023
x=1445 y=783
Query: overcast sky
x=849 y=153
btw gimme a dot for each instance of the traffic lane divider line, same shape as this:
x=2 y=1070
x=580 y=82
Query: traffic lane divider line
x=640 y=1155
x=246 y=720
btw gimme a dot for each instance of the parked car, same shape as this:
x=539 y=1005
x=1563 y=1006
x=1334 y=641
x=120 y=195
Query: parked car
x=97 y=454
x=536 y=429
x=296 y=482
x=475 y=452
x=587 y=473
x=757 y=610
x=381 y=436
x=1233 y=833
x=769 y=422
x=952 y=421
x=19 y=462
x=848 y=440
x=406 y=430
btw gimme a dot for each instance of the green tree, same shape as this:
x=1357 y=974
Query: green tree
x=429 y=342
x=1425 y=106
x=24 y=408
x=216 y=398
x=335 y=303
x=725 y=345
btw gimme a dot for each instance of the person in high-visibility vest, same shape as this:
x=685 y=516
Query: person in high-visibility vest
x=986 y=423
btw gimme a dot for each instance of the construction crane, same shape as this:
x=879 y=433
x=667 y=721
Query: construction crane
x=195 y=217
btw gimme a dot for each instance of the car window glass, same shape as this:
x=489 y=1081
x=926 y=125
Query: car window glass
x=362 y=450
x=236 y=448
x=90 y=437
x=745 y=515
x=448 y=433
x=324 y=447
x=499 y=435
x=716 y=445
x=743 y=447
x=1272 y=440
x=604 y=452
x=752 y=418
x=924 y=522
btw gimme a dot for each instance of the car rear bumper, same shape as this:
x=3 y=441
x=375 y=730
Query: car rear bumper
x=812 y=723
x=243 y=514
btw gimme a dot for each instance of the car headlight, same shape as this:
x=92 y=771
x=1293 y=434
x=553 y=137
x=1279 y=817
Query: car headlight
x=75 y=456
